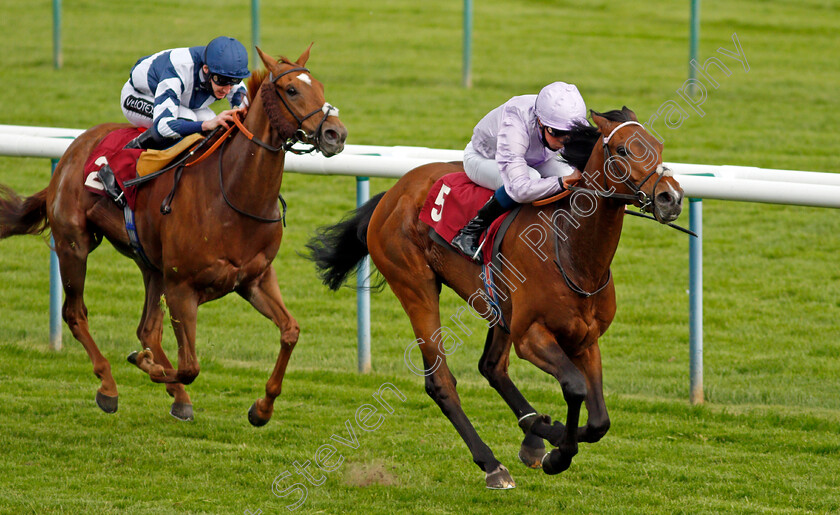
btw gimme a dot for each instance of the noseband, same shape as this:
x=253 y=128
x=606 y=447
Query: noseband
x=300 y=135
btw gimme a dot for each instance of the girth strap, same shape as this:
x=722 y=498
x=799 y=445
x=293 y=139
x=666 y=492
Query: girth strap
x=134 y=239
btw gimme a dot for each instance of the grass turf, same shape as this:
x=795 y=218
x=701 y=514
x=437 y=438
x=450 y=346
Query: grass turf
x=766 y=441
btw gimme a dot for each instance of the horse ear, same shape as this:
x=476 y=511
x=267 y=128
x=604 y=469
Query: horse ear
x=304 y=56
x=267 y=60
x=602 y=123
x=630 y=114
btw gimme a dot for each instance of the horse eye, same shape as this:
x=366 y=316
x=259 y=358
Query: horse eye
x=621 y=151
x=291 y=91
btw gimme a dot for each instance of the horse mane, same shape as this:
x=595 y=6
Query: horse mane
x=272 y=108
x=257 y=78
x=254 y=83
x=583 y=136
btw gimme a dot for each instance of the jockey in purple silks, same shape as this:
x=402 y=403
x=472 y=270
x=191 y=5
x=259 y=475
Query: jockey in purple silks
x=515 y=151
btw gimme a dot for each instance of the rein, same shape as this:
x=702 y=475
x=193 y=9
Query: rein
x=240 y=211
x=182 y=161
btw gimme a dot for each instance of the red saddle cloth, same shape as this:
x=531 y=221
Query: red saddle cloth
x=122 y=161
x=453 y=201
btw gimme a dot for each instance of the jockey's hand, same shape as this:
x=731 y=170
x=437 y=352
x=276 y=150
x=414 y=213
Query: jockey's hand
x=573 y=179
x=224 y=119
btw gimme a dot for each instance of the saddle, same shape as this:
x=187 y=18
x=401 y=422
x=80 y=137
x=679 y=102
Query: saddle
x=452 y=202
x=115 y=171
x=111 y=169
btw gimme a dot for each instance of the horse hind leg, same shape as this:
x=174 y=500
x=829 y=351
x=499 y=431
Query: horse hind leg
x=72 y=247
x=493 y=365
x=150 y=334
x=420 y=301
x=265 y=296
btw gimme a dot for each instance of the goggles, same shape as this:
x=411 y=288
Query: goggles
x=556 y=133
x=221 y=80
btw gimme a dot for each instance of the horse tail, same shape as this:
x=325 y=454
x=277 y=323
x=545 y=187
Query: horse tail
x=338 y=249
x=20 y=215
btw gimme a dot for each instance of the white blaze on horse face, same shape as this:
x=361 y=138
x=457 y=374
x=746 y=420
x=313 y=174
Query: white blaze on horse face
x=305 y=78
x=674 y=191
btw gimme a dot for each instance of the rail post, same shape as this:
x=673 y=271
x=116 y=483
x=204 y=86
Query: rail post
x=55 y=292
x=695 y=301
x=363 y=290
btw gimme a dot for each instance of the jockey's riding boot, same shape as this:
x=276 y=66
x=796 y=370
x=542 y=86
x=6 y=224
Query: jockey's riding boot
x=109 y=181
x=147 y=141
x=468 y=238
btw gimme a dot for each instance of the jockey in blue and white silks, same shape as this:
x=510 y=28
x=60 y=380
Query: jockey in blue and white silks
x=170 y=92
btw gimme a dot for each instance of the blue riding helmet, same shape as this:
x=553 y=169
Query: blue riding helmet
x=227 y=57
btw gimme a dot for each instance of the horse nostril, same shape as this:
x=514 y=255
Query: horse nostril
x=330 y=135
x=665 y=198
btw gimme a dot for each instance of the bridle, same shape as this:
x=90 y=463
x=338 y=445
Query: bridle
x=299 y=135
x=645 y=200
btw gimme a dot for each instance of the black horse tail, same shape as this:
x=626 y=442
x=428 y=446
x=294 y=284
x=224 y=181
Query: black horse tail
x=338 y=249
x=22 y=215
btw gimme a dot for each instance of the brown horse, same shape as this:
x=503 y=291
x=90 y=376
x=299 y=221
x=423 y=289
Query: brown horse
x=555 y=286
x=221 y=236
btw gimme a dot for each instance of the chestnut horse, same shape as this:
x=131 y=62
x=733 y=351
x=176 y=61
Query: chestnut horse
x=221 y=236
x=555 y=286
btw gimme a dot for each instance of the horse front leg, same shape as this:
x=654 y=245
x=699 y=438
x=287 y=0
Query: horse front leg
x=540 y=347
x=182 y=302
x=150 y=334
x=264 y=295
x=598 y=421
x=493 y=365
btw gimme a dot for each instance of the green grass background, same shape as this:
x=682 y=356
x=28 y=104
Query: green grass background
x=766 y=441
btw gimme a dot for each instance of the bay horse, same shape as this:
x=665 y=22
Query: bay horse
x=221 y=236
x=556 y=290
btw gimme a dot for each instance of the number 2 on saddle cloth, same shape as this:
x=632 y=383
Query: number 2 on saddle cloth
x=123 y=162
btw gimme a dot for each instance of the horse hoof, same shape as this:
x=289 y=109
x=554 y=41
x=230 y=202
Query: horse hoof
x=554 y=462
x=531 y=457
x=107 y=403
x=500 y=479
x=255 y=419
x=182 y=411
x=132 y=358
